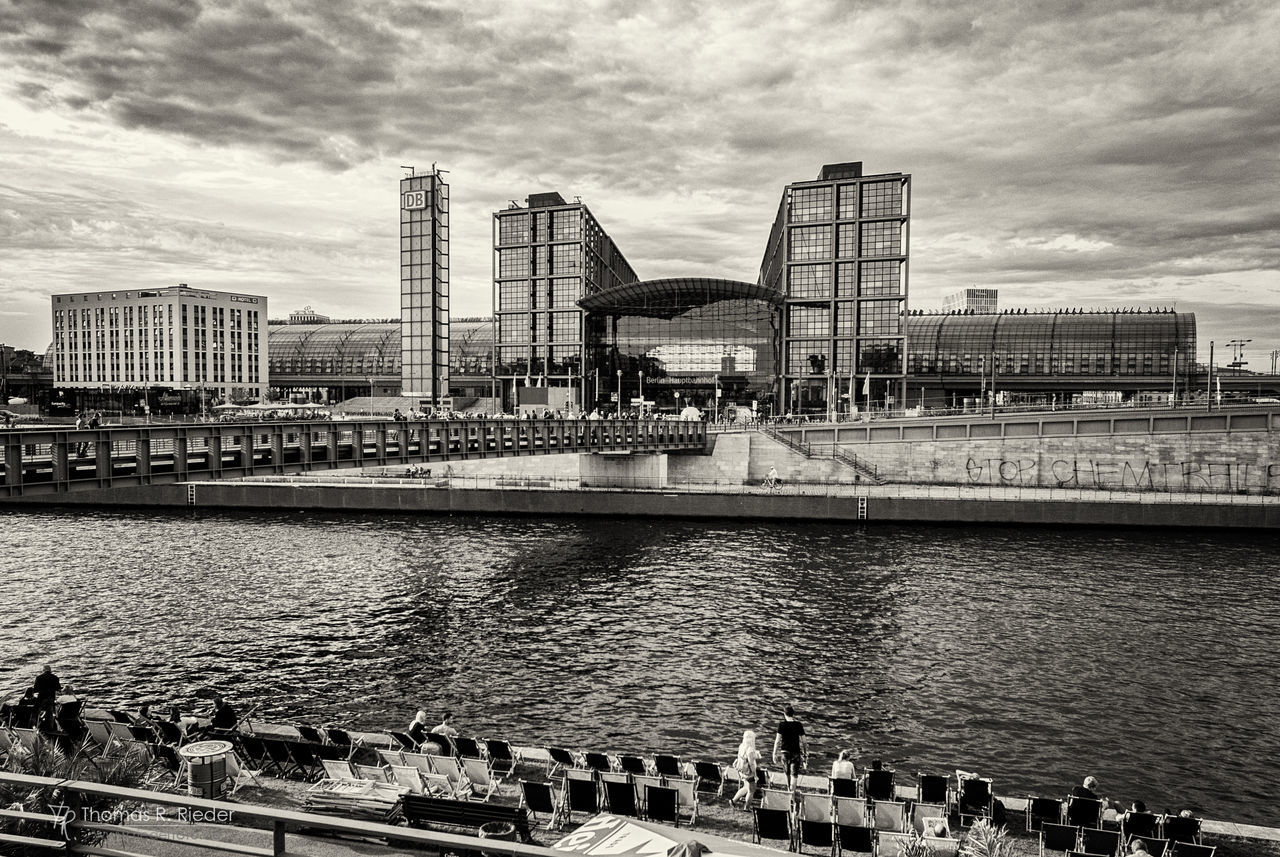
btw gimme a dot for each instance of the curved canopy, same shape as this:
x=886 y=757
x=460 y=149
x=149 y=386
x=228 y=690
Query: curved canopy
x=675 y=296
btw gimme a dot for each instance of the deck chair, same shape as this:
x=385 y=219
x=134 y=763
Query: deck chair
x=409 y=777
x=645 y=781
x=596 y=761
x=777 y=780
x=621 y=798
x=878 y=785
x=171 y=732
x=777 y=799
x=1155 y=847
x=890 y=844
x=254 y=751
x=1041 y=810
x=890 y=815
x=278 y=751
x=843 y=787
x=239 y=774
x=501 y=756
x=686 y=797
x=342 y=738
x=118 y=731
x=444 y=742
x=583 y=793
x=28 y=738
x=373 y=773
x=932 y=788
x=1084 y=811
x=1190 y=849
x=448 y=767
x=772 y=824
x=632 y=764
x=923 y=814
x=333 y=752
x=477 y=773
x=310 y=734
x=974 y=798
x=98 y=732
x=337 y=770
x=542 y=799
x=7 y=743
x=1058 y=837
x=710 y=775
x=559 y=759
x=305 y=758
x=391 y=757
x=468 y=748
x=171 y=762
x=856 y=839
x=1175 y=828
x=815 y=822
x=1142 y=825
x=401 y=740
x=1094 y=840
x=667 y=765
x=852 y=811
x=662 y=803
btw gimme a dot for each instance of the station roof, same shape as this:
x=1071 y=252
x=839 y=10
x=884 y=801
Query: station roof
x=675 y=296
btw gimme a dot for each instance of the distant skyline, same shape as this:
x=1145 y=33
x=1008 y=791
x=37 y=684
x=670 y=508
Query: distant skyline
x=1091 y=154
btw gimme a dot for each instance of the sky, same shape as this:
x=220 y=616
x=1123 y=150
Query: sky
x=1069 y=153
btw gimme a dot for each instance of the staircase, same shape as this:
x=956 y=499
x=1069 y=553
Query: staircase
x=864 y=469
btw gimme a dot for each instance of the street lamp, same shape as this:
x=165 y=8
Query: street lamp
x=1237 y=353
x=717 y=403
x=640 y=375
x=619 y=416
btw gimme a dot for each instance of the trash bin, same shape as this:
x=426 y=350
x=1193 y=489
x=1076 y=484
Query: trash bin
x=503 y=830
x=206 y=767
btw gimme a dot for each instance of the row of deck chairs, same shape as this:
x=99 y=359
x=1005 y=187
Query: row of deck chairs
x=824 y=821
x=1180 y=839
x=670 y=800
x=427 y=774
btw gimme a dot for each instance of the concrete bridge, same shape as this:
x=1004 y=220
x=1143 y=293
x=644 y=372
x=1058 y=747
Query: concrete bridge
x=58 y=460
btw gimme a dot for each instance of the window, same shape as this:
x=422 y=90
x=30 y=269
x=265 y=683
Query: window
x=514 y=262
x=810 y=203
x=564 y=327
x=513 y=328
x=848 y=201
x=881 y=239
x=808 y=321
x=564 y=293
x=810 y=242
x=846 y=318
x=807 y=357
x=513 y=297
x=566 y=259
x=882 y=198
x=513 y=229
x=880 y=278
x=880 y=356
x=809 y=281
x=880 y=318
x=566 y=225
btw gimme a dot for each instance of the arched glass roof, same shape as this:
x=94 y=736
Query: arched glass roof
x=669 y=298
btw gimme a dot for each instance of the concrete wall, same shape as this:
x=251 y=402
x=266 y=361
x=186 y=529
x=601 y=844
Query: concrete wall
x=1240 y=462
x=623 y=471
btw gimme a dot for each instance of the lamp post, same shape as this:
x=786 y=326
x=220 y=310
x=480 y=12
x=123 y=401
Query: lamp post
x=640 y=375
x=717 y=397
x=619 y=415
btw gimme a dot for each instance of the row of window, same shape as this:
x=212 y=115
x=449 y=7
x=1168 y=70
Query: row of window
x=1039 y=363
x=853 y=279
x=540 y=260
x=539 y=227
x=878 y=199
x=539 y=327
x=865 y=318
x=524 y=295
x=538 y=360
x=844 y=356
x=876 y=238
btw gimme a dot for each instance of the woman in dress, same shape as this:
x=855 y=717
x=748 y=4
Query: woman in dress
x=747 y=765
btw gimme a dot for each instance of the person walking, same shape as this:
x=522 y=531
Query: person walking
x=748 y=767
x=790 y=748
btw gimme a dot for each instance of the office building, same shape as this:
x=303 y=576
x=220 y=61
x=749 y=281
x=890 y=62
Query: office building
x=972 y=300
x=161 y=347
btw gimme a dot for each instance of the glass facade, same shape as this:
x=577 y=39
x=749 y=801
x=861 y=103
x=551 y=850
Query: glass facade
x=838 y=256
x=547 y=257
x=424 y=286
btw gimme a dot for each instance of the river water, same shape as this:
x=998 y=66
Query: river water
x=1032 y=655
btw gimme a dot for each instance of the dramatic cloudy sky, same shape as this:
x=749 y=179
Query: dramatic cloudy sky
x=1068 y=152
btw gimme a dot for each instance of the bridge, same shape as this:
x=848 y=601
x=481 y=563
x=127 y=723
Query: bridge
x=58 y=459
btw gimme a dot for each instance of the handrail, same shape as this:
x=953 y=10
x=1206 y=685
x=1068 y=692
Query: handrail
x=278 y=819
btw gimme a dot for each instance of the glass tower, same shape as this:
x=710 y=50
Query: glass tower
x=424 y=286
x=838 y=254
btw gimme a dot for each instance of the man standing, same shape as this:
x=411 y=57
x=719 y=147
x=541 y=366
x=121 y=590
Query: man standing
x=790 y=748
x=46 y=687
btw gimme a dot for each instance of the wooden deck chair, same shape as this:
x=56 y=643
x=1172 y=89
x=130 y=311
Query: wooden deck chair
x=477 y=773
x=339 y=770
x=559 y=759
x=278 y=752
x=771 y=824
x=342 y=738
x=662 y=803
x=448 y=767
x=710 y=776
x=1155 y=847
x=401 y=740
x=974 y=797
x=890 y=844
x=777 y=779
x=632 y=764
x=373 y=773
x=815 y=820
x=1083 y=812
x=890 y=815
x=1175 y=828
x=305 y=758
x=620 y=796
x=98 y=732
x=173 y=766
x=409 y=777
x=254 y=752
x=1095 y=840
x=878 y=785
x=310 y=734
x=925 y=818
x=1059 y=837
x=171 y=732
x=686 y=797
x=542 y=799
x=118 y=731
x=842 y=787
x=1140 y=825
x=239 y=774
x=1041 y=810
x=391 y=757
x=1190 y=849
x=582 y=793
x=856 y=839
x=777 y=799
x=502 y=756
x=933 y=789
x=667 y=765
x=596 y=761
x=468 y=748
x=444 y=742
x=418 y=760
x=943 y=846
x=645 y=781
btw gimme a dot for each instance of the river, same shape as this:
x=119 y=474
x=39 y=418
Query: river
x=1032 y=655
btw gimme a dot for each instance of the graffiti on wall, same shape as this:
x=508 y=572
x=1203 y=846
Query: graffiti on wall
x=1100 y=475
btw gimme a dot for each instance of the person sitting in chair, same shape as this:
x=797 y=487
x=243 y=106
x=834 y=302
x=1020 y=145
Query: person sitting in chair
x=418 y=728
x=223 y=721
x=445 y=728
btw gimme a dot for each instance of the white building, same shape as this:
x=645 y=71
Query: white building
x=973 y=300
x=174 y=339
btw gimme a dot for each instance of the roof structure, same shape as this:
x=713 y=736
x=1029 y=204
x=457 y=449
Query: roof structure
x=668 y=298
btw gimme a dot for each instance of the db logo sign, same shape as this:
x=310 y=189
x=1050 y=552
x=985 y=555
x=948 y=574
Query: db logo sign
x=413 y=199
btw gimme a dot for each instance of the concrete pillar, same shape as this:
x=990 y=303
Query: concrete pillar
x=277 y=451
x=12 y=463
x=58 y=453
x=142 y=459
x=102 y=458
x=180 y=452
